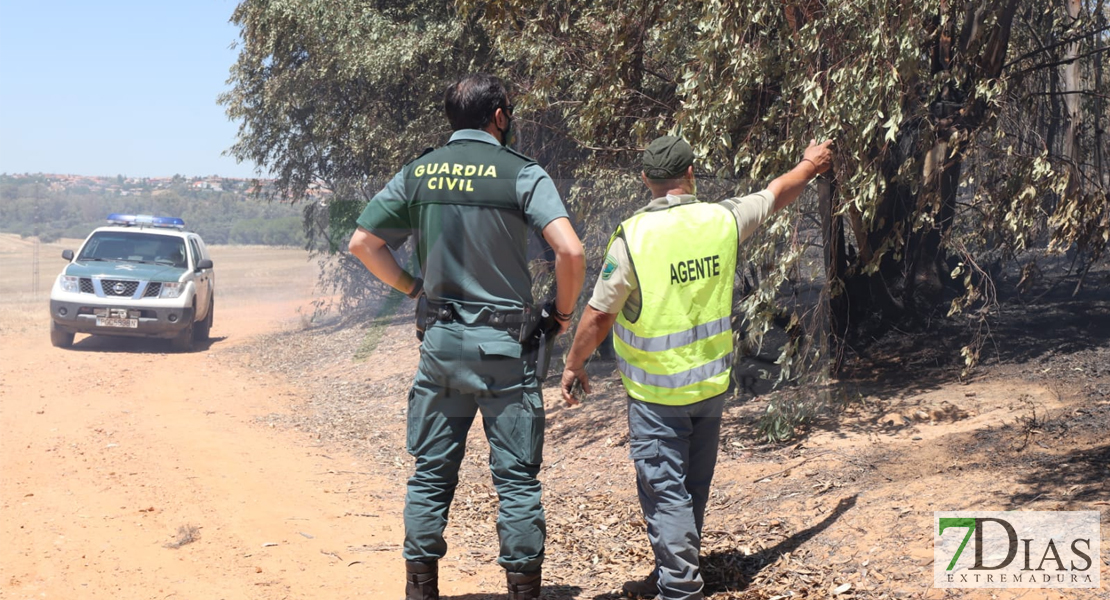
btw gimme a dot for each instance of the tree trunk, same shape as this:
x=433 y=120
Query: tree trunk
x=1100 y=110
x=912 y=270
x=941 y=177
x=836 y=267
x=1069 y=80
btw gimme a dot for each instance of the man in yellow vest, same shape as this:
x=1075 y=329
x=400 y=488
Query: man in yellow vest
x=667 y=287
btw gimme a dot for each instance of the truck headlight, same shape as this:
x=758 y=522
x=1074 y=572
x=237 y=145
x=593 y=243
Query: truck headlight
x=171 y=290
x=71 y=284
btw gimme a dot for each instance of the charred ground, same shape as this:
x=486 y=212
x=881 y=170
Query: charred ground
x=846 y=503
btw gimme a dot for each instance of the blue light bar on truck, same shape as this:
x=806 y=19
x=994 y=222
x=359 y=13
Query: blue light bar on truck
x=145 y=221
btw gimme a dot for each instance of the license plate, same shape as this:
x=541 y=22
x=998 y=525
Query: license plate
x=116 y=322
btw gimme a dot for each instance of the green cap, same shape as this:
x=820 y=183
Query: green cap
x=667 y=158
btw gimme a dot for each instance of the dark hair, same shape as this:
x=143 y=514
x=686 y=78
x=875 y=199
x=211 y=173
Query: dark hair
x=472 y=101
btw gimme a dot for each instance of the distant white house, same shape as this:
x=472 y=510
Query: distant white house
x=214 y=184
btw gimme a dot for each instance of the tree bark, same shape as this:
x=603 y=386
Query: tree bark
x=1069 y=80
x=1100 y=111
x=836 y=267
x=912 y=270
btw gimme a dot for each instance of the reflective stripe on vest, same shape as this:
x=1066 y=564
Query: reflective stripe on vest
x=678 y=350
x=673 y=340
x=676 y=380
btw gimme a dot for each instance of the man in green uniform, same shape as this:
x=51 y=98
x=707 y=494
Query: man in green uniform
x=667 y=287
x=471 y=206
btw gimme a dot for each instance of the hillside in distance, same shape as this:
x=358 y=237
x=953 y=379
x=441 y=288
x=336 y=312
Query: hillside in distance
x=222 y=210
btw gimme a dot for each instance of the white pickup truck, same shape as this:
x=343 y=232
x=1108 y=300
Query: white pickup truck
x=140 y=276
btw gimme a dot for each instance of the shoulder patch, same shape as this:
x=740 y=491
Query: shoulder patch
x=525 y=158
x=609 y=268
x=426 y=152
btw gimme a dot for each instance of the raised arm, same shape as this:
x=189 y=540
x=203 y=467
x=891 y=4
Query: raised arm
x=816 y=160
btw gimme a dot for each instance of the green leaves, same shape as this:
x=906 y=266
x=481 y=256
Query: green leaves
x=935 y=147
x=344 y=91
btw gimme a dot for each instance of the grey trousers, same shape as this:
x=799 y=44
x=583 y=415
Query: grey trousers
x=675 y=451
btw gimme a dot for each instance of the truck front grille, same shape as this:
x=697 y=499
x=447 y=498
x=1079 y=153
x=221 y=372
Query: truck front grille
x=113 y=287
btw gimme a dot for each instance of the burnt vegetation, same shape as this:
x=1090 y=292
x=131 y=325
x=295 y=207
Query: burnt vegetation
x=970 y=138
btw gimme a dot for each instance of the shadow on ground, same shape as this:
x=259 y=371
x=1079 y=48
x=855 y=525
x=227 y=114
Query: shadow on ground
x=1025 y=328
x=1045 y=335
x=732 y=570
x=735 y=571
x=1078 y=476
x=549 y=592
x=137 y=345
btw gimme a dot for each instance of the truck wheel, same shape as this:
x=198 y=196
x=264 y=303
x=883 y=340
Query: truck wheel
x=203 y=330
x=184 y=340
x=59 y=338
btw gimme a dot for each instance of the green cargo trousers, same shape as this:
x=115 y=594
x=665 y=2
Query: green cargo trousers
x=465 y=369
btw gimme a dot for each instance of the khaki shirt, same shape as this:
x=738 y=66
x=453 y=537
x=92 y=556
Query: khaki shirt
x=617 y=287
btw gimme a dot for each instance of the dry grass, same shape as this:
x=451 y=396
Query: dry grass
x=17 y=273
x=251 y=274
x=242 y=272
x=186 y=534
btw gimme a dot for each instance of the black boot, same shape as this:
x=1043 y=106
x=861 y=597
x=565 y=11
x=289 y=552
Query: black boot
x=648 y=587
x=421 y=580
x=523 y=586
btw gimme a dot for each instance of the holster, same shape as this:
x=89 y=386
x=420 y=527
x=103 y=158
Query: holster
x=544 y=340
x=422 y=314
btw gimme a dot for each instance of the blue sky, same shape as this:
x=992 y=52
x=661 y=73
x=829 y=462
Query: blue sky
x=116 y=87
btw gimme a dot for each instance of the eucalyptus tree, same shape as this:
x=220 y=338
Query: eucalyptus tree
x=967 y=131
x=338 y=94
x=927 y=102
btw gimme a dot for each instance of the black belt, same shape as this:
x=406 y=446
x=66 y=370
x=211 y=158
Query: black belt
x=519 y=324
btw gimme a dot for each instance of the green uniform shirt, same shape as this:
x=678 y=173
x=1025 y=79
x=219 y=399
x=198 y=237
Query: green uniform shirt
x=471 y=205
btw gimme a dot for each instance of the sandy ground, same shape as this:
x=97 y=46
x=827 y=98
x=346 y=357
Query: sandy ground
x=117 y=452
x=269 y=464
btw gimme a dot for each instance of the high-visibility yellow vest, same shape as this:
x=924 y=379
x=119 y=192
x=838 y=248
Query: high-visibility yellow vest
x=678 y=350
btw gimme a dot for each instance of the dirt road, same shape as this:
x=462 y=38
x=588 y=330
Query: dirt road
x=117 y=453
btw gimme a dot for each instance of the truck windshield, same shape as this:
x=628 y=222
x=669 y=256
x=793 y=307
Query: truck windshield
x=135 y=247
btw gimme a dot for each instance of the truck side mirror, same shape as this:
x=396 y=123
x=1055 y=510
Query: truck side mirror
x=205 y=263
x=67 y=254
